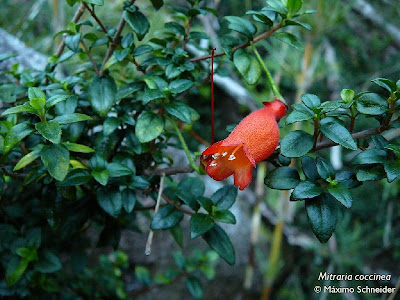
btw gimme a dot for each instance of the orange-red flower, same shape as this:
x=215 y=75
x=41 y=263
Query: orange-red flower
x=253 y=140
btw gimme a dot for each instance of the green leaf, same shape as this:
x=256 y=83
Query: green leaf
x=50 y=130
x=206 y=203
x=306 y=190
x=200 y=224
x=370 y=156
x=290 y=39
x=293 y=6
x=380 y=142
x=72 y=118
x=219 y=241
x=76 y=177
x=225 y=197
x=72 y=41
x=372 y=104
x=347 y=179
x=322 y=214
x=341 y=194
x=180 y=85
x=347 y=95
x=175 y=27
x=13 y=275
x=15 y=135
x=95 y=2
x=157 y=4
x=180 y=110
x=142 y=49
x=56 y=160
x=325 y=169
x=247 y=65
x=386 y=84
x=338 y=133
x=392 y=169
x=311 y=101
x=34 y=92
x=48 y=263
x=101 y=176
x=110 y=124
x=370 y=173
x=128 y=89
x=102 y=92
x=53 y=100
x=298 y=23
x=149 y=126
x=299 y=114
x=194 y=287
x=241 y=25
x=177 y=233
x=128 y=200
x=296 y=144
x=189 y=190
x=110 y=201
x=26 y=108
x=224 y=216
x=78 y=148
x=27 y=159
x=152 y=94
x=167 y=217
x=277 y=6
x=310 y=167
x=283 y=178
x=138 y=23
x=7 y=55
x=143 y=275
x=117 y=170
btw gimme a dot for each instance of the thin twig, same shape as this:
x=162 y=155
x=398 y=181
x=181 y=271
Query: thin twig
x=255 y=40
x=75 y=19
x=114 y=42
x=178 y=207
x=171 y=170
x=151 y=233
x=90 y=57
x=91 y=11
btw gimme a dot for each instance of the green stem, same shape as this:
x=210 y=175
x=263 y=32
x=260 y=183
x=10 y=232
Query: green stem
x=184 y=146
x=274 y=88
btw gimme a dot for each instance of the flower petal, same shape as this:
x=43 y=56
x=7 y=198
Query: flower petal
x=243 y=176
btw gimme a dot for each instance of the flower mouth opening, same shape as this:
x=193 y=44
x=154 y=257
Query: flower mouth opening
x=222 y=161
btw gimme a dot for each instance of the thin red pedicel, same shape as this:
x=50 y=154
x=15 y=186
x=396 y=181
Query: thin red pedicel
x=212 y=96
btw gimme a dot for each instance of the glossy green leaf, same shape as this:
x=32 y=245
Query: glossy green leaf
x=338 y=133
x=149 y=126
x=50 y=130
x=225 y=197
x=224 y=216
x=241 y=25
x=26 y=108
x=306 y=190
x=180 y=85
x=128 y=200
x=16 y=134
x=200 y=224
x=167 y=217
x=138 y=22
x=247 y=65
x=324 y=168
x=194 y=287
x=78 y=148
x=341 y=194
x=283 y=178
x=296 y=144
x=322 y=214
x=290 y=39
x=56 y=160
x=219 y=241
x=110 y=201
x=72 y=118
x=311 y=101
x=48 y=262
x=76 y=177
x=370 y=156
x=102 y=92
x=372 y=104
x=309 y=165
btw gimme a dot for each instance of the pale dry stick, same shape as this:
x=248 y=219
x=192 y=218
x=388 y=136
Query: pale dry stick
x=151 y=233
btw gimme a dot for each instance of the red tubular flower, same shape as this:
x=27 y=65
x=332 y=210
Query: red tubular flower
x=253 y=140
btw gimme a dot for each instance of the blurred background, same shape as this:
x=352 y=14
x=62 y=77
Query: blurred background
x=350 y=43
